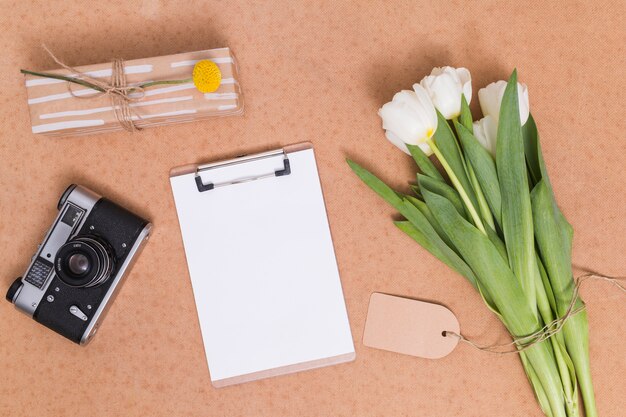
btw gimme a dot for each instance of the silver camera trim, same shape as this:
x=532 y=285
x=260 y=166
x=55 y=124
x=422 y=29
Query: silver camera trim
x=28 y=297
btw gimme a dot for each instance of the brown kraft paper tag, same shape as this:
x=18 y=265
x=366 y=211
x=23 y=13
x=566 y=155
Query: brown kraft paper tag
x=408 y=326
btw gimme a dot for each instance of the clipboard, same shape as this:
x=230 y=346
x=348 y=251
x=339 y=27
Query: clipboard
x=262 y=265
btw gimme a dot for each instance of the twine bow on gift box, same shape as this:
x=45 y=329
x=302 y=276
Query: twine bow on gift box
x=206 y=77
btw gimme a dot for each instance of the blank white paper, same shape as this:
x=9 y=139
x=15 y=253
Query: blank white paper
x=263 y=267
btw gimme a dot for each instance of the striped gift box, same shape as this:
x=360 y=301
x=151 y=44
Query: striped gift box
x=54 y=111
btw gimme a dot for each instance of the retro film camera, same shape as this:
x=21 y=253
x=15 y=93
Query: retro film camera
x=76 y=272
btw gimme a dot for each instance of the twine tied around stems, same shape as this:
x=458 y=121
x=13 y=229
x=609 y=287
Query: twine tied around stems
x=522 y=343
x=117 y=90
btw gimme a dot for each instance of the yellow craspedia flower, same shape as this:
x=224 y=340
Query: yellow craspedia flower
x=206 y=76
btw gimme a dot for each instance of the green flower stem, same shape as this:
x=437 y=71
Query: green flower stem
x=64 y=78
x=480 y=196
x=535 y=382
x=458 y=186
x=97 y=88
x=558 y=346
x=152 y=83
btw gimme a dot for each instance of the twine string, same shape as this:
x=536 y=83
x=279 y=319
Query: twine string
x=118 y=91
x=522 y=343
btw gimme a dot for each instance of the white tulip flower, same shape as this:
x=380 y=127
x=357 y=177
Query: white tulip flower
x=486 y=131
x=410 y=118
x=445 y=86
x=490 y=99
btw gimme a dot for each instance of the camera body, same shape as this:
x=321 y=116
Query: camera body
x=78 y=269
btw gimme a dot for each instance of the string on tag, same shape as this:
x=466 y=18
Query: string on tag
x=522 y=343
x=117 y=90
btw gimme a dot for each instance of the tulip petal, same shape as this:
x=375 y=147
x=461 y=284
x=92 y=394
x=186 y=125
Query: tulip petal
x=425 y=148
x=409 y=118
x=486 y=131
x=397 y=141
x=466 y=80
x=490 y=99
x=399 y=117
x=429 y=113
x=524 y=105
x=412 y=124
x=445 y=86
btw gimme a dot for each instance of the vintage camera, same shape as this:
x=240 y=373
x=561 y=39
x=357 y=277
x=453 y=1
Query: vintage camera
x=76 y=272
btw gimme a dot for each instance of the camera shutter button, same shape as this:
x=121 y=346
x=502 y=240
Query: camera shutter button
x=75 y=311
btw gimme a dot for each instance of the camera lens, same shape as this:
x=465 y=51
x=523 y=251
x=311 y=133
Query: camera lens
x=84 y=261
x=78 y=264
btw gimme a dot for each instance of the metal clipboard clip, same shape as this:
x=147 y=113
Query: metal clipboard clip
x=286 y=170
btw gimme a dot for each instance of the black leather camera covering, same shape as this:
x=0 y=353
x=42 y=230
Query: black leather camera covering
x=117 y=226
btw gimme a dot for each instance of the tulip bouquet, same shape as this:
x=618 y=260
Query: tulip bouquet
x=493 y=218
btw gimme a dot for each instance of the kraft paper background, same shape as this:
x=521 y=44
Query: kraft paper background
x=310 y=71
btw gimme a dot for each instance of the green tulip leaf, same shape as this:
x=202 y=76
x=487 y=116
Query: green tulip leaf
x=534 y=380
x=453 y=261
x=465 y=119
x=502 y=292
x=554 y=239
x=485 y=169
x=444 y=190
x=377 y=185
x=491 y=269
x=517 y=221
x=497 y=242
x=449 y=147
x=416 y=190
x=554 y=242
x=531 y=150
x=421 y=206
x=423 y=162
x=421 y=230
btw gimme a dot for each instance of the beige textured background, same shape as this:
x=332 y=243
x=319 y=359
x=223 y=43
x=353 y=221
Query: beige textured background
x=313 y=71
